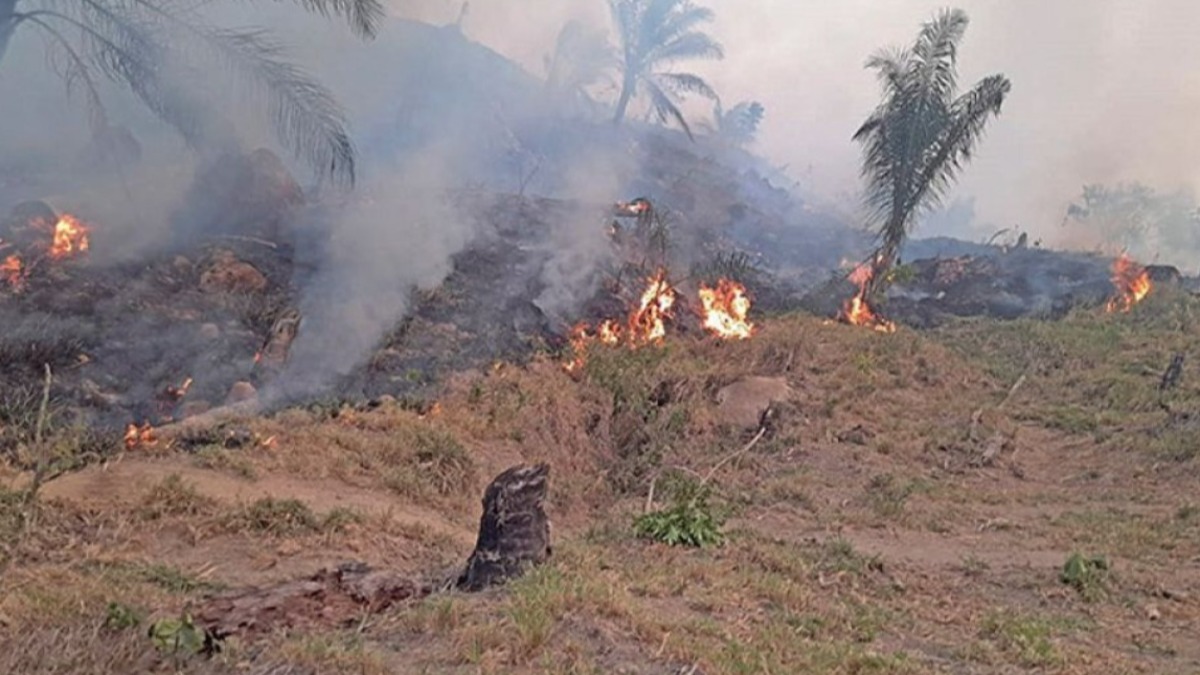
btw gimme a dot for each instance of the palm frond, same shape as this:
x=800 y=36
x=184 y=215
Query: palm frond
x=686 y=46
x=664 y=108
x=685 y=83
x=363 y=16
x=935 y=54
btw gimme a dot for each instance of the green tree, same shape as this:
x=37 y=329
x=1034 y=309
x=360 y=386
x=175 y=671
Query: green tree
x=921 y=135
x=154 y=47
x=655 y=34
x=739 y=124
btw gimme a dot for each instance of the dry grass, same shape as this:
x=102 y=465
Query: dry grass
x=867 y=534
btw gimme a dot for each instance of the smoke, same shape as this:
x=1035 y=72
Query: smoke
x=397 y=236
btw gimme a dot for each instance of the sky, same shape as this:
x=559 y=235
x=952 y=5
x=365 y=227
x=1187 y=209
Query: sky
x=1103 y=90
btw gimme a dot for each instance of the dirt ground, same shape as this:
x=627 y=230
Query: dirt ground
x=908 y=508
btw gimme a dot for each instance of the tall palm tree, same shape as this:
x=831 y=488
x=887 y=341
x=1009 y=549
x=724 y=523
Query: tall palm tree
x=921 y=135
x=655 y=34
x=153 y=47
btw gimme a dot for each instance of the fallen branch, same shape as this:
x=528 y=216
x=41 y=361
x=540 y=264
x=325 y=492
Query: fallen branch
x=746 y=448
x=43 y=461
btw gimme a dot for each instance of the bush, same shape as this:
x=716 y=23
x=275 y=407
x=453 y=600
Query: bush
x=689 y=521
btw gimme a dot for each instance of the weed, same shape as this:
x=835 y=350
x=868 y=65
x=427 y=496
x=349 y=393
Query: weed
x=340 y=518
x=838 y=555
x=974 y=567
x=177 y=636
x=175 y=580
x=120 y=616
x=220 y=459
x=444 y=462
x=1027 y=638
x=173 y=497
x=689 y=521
x=1088 y=576
x=278 y=517
x=887 y=496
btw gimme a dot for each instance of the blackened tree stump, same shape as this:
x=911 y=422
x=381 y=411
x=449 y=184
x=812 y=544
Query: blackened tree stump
x=514 y=532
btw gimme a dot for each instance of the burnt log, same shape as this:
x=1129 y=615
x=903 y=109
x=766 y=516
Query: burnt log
x=514 y=532
x=337 y=596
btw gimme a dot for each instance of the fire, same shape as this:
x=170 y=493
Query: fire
x=139 y=436
x=725 y=309
x=70 y=238
x=647 y=324
x=856 y=311
x=1132 y=282
x=13 y=271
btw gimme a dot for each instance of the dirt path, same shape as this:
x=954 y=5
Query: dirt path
x=126 y=480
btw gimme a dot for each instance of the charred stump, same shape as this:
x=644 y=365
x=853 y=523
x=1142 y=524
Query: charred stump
x=514 y=532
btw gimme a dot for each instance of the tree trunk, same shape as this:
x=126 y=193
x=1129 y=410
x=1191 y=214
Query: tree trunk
x=886 y=256
x=514 y=532
x=623 y=102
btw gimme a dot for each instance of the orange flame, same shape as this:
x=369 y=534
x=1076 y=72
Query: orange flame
x=1132 y=282
x=856 y=311
x=646 y=324
x=725 y=309
x=13 y=271
x=70 y=238
x=139 y=436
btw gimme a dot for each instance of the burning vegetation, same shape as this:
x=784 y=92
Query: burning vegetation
x=1132 y=283
x=40 y=238
x=723 y=312
x=857 y=311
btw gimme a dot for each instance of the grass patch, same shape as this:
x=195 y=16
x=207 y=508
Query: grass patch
x=172 y=496
x=1087 y=575
x=275 y=517
x=1027 y=639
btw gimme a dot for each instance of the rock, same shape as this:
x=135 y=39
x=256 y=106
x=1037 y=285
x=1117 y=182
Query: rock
x=193 y=408
x=743 y=403
x=227 y=274
x=241 y=391
x=514 y=532
x=1152 y=613
x=210 y=331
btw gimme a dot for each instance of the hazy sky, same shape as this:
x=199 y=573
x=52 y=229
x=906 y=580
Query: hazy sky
x=1103 y=90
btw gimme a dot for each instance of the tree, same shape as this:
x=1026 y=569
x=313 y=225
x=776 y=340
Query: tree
x=739 y=124
x=582 y=59
x=153 y=47
x=655 y=34
x=920 y=137
x=1134 y=217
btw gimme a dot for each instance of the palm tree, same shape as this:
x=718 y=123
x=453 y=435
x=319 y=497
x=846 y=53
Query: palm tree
x=921 y=135
x=582 y=59
x=153 y=47
x=658 y=33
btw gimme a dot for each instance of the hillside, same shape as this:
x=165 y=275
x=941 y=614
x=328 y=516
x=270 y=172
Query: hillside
x=908 y=506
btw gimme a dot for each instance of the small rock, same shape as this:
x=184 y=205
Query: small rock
x=210 y=331
x=240 y=391
x=743 y=403
x=193 y=408
x=1152 y=613
x=227 y=274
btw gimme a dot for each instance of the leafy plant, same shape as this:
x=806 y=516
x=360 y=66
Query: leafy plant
x=1088 y=576
x=653 y=34
x=178 y=636
x=689 y=521
x=920 y=136
x=120 y=616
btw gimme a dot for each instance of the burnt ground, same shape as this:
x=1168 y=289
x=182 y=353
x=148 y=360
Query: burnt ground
x=909 y=508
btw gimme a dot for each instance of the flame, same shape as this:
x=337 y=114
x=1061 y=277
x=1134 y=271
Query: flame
x=1132 y=282
x=579 y=339
x=856 y=311
x=609 y=333
x=725 y=309
x=139 y=436
x=70 y=238
x=647 y=324
x=13 y=271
